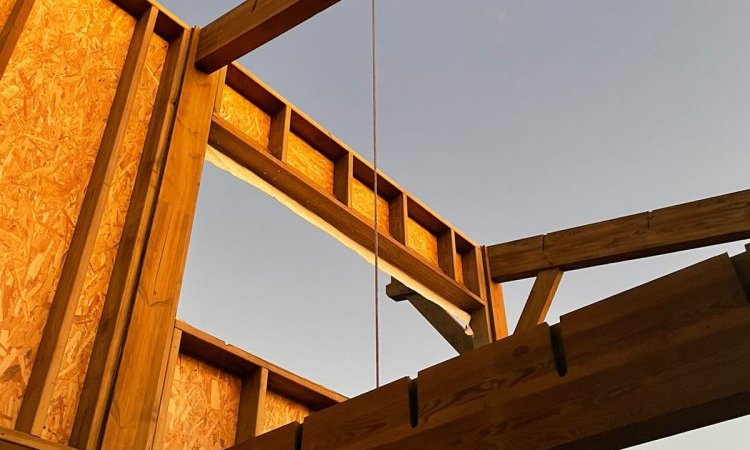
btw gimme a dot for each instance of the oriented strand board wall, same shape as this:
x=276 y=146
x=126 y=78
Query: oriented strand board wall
x=362 y=202
x=5 y=7
x=241 y=113
x=280 y=411
x=202 y=411
x=54 y=101
x=421 y=240
x=80 y=343
x=310 y=162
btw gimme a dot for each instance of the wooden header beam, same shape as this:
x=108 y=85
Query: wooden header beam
x=710 y=221
x=250 y=25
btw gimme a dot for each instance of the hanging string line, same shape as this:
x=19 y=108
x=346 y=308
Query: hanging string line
x=375 y=191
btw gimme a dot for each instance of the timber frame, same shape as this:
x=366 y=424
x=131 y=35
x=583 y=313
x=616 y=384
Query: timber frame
x=130 y=378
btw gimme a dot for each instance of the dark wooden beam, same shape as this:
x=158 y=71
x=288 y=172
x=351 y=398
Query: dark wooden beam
x=705 y=222
x=250 y=25
x=663 y=358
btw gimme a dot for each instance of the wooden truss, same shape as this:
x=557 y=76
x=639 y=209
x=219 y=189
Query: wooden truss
x=636 y=367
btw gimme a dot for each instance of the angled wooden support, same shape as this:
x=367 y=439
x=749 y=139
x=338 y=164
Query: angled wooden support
x=458 y=336
x=60 y=319
x=250 y=25
x=131 y=418
x=710 y=221
x=540 y=299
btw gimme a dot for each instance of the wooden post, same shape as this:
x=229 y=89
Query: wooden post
x=250 y=417
x=172 y=359
x=60 y=319
x=131 y=420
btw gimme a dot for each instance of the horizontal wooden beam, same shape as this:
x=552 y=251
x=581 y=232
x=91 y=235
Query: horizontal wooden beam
x=663 y=358
x=705 y=222
x=250 y=25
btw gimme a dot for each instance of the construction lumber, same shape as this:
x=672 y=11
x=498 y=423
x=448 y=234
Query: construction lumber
x=250 y=25
x=663 y=358
x=540 y=299
x=302 y=165
x=458 y=336
x=287 y=437
x=131 y=420
x=11 y=31
x=16 y=440
x=35 y=403
x=705 y=222
x=110 y=332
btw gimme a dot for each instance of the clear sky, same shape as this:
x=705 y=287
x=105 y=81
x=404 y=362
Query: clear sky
x=509 y=118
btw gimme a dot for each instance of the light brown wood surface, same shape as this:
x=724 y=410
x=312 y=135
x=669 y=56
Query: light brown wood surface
x=705 y=222
x=540 y=299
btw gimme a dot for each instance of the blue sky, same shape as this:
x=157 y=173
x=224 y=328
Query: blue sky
x=510 y=118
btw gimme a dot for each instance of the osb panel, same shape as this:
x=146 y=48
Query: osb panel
x=362 y=202
x=419 y=239
x=202 y=411
x=54 y=102
x=310 y=162
x=459 y=268
x=5 y=7
x=64 y=400
x=243 y=114
x=280 y=411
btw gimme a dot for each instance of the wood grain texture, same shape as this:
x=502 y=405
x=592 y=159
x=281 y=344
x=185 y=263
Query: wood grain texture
x=47 y=151
x=94 y=398
x=705 y=222
x=422 y=241
x=250 y=25
x=251 y=416
x=131 y=419
x=49 y=357
x=5 y=8
x=284 y=438
x=203 y=405
x=540 y=299
x=13 y=17
x=280 y=410
x=245 y=115
x=166 y=394
x=16 y=440
x=363 y=202
x=310 y=163
x=69 y=383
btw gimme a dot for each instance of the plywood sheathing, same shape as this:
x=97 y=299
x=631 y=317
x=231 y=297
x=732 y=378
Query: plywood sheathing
x=243 y=114
x=55 y=97
x=64 y=400
x=310 y=163
x=419 y=239
x=203 y=405
x=363 y=203
x=5 y=7
x=280 y=411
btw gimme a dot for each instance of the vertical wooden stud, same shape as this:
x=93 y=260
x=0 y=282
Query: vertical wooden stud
x=397 y=216
x=131 y=419
x=250 y=417
x=220 y=91
x=118 y=301
x=278 y=139
x=446 y=252
x=494 y=317
x=540 y=299
x=343 y=172
x=49 y=355
x=12 y=30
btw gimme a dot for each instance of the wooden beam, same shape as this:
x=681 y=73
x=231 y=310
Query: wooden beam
x=110 y=334
x=287 y=437
x=636 y=367
x=250 y=417
x=131 y=419
x=16 y=440
x=60 y=319
x=705 y=222
x=496 y=312
x=456 y=334
x=540 y=298
x=166 y=393
x=250 y=25
x=11 y=31
x=254 y=157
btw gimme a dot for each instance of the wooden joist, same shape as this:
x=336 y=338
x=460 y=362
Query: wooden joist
x=250 y=25
x=705 y=222
x=663 y=358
